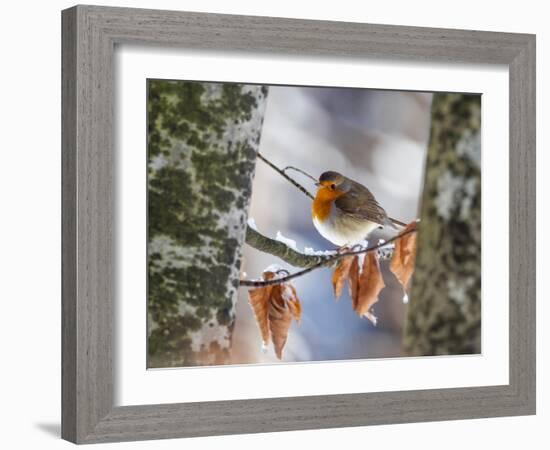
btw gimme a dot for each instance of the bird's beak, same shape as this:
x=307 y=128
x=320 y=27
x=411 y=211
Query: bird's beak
x=318 y=184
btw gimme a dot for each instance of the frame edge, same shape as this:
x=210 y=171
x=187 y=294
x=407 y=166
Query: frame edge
x=522 y=191
x=88 y=414
x=69 y=36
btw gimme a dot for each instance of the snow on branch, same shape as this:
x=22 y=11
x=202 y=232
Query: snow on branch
x=281 y=249
x=307 y=261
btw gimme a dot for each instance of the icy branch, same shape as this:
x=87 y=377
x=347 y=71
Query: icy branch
x=281 y=250
x=307 y=261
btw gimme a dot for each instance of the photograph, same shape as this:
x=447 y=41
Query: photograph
x=348 y=197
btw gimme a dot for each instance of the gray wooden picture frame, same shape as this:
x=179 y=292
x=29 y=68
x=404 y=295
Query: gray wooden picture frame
x=90 y=34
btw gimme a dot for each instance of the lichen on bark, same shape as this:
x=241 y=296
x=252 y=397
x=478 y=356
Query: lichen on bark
x=202 y=142
x=444 y=313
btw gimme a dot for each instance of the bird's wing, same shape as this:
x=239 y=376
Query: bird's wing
x=359 y=202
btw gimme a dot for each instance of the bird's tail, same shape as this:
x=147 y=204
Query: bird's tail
x=393 y=222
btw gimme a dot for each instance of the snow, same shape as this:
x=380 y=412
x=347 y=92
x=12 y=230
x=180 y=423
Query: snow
x=252 y=223
x=370 y=316
x=273 y=268
x=287 y=241
x=287 y=293
x=361 y=256
x=386 y=251
x=307 y=250
x=312 y=252
x=291 y=243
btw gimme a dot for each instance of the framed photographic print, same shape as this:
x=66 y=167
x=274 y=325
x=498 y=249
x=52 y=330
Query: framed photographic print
x=277 y=224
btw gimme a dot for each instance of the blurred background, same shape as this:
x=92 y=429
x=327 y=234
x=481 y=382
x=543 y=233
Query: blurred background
x=378 y=138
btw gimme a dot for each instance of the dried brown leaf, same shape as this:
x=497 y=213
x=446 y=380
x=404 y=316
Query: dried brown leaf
x=274 y=308
x=279 y=321
x=404 y=254
x=292 y=301
x=353 y=280
x=259 y=301
x=369 y=285
x=341 y=274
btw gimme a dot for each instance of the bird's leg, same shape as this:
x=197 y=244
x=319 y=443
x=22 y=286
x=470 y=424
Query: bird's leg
x=343 y=249
x=349 y=248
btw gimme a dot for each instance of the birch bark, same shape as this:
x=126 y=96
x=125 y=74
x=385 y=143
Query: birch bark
x=202 y=144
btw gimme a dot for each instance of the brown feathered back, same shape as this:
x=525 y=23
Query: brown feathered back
x=359 y=202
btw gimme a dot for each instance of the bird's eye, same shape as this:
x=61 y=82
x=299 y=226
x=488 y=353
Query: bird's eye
x=333 y=186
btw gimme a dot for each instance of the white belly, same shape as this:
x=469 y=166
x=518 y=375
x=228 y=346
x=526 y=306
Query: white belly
x=344 y=232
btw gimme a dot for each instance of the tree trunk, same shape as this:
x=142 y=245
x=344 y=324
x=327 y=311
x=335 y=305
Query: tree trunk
x=202 y=143
x=444 y=313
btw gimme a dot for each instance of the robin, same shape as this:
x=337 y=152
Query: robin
x=345 y=212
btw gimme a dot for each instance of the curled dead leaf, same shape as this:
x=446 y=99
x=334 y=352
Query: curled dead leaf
x=275 y=307
x=369 y=285
x=353 y=283
x=404 y=254
x=289 y=295
x=341 y=274
x=365 y=282
x=259 y=301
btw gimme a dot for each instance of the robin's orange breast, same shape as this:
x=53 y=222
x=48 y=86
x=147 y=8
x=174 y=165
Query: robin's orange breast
x=322 y=203
x=320 y=209
x=334 y=224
